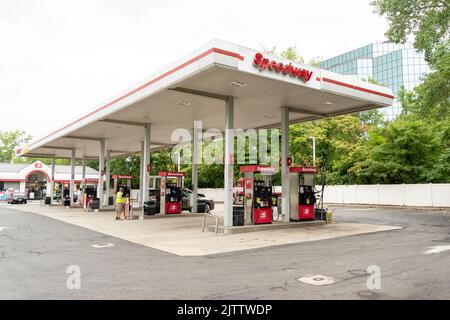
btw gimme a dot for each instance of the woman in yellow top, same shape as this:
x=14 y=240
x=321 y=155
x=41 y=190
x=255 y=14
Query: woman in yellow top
x=120 y=204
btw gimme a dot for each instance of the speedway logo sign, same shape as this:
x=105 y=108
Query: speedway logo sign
x=272 y=65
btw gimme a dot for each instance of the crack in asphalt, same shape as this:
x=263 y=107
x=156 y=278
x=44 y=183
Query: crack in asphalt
x=220 y=294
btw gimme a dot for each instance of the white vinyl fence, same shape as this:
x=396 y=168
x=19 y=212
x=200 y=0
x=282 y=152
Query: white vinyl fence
x=416 y=195
x=214 y=194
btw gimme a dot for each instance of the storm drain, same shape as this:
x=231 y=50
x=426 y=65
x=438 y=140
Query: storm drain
x=317 y=280
x=102 y=245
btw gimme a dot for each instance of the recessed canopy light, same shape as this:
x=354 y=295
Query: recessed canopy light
x=183 y=103
x=268 y=116
x=238 y=84
x=328 y=102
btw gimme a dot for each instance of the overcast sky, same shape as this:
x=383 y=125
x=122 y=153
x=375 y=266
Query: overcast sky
x=61 y=58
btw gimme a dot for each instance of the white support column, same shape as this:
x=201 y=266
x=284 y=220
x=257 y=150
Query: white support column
x=83 y=180
x=285 y=208
x=145 y=166
x=83 y=174
x=229 y=160
x=107 y=176
x=101 y=171
x=195 y=162
x=141 y=177
x=52 y=181
x=72 y=176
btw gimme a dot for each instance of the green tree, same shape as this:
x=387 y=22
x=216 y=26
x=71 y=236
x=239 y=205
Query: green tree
x=292 y=54
x=430 y=100
x=162 y=161
x=129 y=165
x=315 y=61
x=404 y=151
x=427 y=20
x=337 y=140
x=9 y=141
x=272 y=50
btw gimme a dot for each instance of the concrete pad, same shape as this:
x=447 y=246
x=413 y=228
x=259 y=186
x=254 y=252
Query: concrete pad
x=183 y=236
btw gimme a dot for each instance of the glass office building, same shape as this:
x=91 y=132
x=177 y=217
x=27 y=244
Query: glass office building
x=390 y=64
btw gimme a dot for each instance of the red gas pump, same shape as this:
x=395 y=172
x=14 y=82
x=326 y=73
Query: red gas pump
x=171 y=192
x=258 y=193
x=118 y=183
x=302 y=196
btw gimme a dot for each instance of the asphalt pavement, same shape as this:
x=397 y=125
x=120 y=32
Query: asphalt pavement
x=37 y=252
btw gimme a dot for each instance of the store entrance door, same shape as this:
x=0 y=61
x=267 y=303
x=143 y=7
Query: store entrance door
x=36 y=185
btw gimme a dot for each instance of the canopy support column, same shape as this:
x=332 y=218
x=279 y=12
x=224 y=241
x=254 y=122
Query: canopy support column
x=83 y=175
x=83 y=180
x=72 y=176
x=107 y=177
x=141 y=177
x=145 y=169
x=195 y=161
x=229 y=160
x=101 y=171
x=52 y=181
x=284 y=165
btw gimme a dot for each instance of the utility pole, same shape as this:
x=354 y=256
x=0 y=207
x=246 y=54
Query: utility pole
x=314 y=150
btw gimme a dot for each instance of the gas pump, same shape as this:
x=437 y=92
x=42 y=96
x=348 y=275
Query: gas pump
x=119 y=180
x=258 y=193
x=302 y=197
x=171 y=192
x=90 y=193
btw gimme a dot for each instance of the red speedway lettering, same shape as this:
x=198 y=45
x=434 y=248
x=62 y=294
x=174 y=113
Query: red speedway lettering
x=263 y=63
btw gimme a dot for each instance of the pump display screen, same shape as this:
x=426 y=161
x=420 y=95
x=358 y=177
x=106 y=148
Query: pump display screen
x=306 y=195
x=262 y=195
x=173 y=193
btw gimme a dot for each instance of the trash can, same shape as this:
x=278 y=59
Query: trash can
x=66 y=202
x=48 y=200
x=320 y=214
x=238 y=215
x=95 y=204
x=150 y=208
x=111 y=201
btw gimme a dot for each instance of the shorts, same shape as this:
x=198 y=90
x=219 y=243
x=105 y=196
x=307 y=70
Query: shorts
x=120 y=207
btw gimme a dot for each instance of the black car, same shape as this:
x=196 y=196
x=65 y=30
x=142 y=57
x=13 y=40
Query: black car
x=18 y=198
x=201 y=198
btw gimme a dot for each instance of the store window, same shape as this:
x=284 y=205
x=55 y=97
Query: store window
x=2 y=186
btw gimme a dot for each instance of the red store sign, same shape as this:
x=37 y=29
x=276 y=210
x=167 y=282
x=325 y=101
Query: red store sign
x=263 y=63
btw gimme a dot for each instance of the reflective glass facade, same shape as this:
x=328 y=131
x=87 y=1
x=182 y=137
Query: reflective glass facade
x=392 y=65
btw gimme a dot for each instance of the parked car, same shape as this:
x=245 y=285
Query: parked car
x=201 y=198
x=154 y=195
x=17 y=198
x=204 y=204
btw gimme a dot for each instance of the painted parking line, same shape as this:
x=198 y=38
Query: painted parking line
x=3 y=228
x=437 y=249
x=102 y=245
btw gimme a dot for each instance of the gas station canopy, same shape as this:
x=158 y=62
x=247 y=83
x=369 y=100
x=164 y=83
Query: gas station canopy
x=194 y=89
